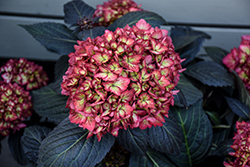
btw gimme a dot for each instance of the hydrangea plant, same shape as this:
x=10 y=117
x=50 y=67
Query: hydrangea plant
x=126 y=92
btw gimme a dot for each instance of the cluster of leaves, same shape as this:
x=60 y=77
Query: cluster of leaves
x=200 y=124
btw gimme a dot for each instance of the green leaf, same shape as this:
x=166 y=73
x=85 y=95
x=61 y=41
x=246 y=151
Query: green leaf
x=187 y=42
x=167 y=138
x=209 y=73
x=32 y=139
x=224 y=148
x=243 y=93
x=159 y=159
x=190 y=92
x=220 y=136
x=55 y=37
x=61 y=67
x=214 y=117
x=238 y=108
x=216 y=53
x=134 y=140
x=137 y=160
x=196 y=132
x=133 y=17
x=16 y=149
x=92 y=33
x=67 y=146
x=153 y=159
x=48 y=103
x=221 y=146
x=76 y=10
x=179 y=99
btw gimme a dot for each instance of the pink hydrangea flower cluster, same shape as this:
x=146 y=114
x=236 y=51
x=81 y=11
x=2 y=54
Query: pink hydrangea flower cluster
x=241 y=146
x=114 y=9
x=239 y=60
x=121 y=79
x=15 y=105
x=24 y=73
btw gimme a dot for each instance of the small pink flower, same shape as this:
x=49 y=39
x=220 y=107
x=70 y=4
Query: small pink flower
x=241 y=146
x=24 y=73
x=15 y=105
x=127 y=80
x=239 y=60
x=114 y=9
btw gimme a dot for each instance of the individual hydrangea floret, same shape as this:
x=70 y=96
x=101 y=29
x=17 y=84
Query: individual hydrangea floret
x=239 y=60
x=241 y=145
x=15 y=106
x=122 y=79
x=24 y=73
x=114 y=9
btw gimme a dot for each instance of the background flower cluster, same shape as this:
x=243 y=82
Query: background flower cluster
x=19 y=76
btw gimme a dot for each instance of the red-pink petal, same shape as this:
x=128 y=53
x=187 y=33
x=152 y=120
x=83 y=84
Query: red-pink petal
x=143 y=25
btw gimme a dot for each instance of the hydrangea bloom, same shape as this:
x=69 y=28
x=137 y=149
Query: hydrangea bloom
x=114 y=9
x=239 y=60
x=121 y=79
x=241 y=146
x=24 y=73
x=15 y=105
